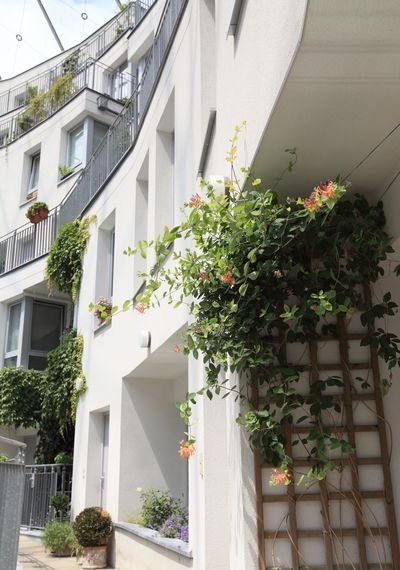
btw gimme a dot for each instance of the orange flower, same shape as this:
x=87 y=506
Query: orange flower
x=140 y=308
x=327 y=189
x=186 y=448
x=203 y=275
x=279 y=477
x=312 y=204
x=228 y=278
x=195 y=201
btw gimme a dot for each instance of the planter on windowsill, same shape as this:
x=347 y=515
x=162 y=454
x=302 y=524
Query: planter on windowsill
x=103 y=311
x=38 y=212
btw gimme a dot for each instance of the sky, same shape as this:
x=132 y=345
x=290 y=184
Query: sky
x=24 y=17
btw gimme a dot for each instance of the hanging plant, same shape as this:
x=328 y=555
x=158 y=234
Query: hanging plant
x=38 y=212
x=263 y=272
x=64 y=262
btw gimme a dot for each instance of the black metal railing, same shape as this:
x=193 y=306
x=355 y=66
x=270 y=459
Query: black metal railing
x=111 y=151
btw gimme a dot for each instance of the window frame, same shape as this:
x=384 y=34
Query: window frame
x=24 y=351
x=33 y=171
x=82 y=126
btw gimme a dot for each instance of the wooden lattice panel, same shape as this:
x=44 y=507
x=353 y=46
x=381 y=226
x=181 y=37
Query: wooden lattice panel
x=348 y=520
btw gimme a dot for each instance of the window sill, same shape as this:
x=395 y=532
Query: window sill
x=174 y=544
x=61 y=182
x=98 y=327
x=28 y=201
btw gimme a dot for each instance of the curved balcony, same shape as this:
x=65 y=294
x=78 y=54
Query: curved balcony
x=78 y=59
x=32 y=241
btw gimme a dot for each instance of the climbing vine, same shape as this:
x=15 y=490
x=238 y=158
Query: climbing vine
x=48 y=400
x=64 y=263
x=265 y=271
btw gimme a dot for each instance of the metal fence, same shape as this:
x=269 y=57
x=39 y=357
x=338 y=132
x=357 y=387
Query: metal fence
x=11 y=498
x=119 y=139
x=40 y=484
x=78 y=59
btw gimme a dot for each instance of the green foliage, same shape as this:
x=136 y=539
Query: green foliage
x=261 y=270
x=48 y=400
x=40 y=105
x=58 y=537
x=64 y=262
x=61 y=504
x=158 y=507
x=35 y=208
x=65 y=171
x=20 y=397
x=4 y=458
x=63 y=458
x=92 y=527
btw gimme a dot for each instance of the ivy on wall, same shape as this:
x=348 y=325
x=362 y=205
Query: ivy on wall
x=46 y=401
x=64 y=262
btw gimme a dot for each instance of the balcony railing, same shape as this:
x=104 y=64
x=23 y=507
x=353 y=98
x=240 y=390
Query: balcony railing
x=78 y=60
x=29 y=242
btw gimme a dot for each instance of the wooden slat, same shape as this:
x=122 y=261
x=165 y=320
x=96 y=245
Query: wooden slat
x=304 y=462
x=290 y=489
x=345 y=360
x=313 y=348
x=389 y=502
x=332 y=496
x=258 y=489
x=318 y=533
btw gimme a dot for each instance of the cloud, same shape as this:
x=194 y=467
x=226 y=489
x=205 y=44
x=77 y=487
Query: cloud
x=25 y=17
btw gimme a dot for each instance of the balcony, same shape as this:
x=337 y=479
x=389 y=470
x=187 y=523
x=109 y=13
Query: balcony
x=32 y=241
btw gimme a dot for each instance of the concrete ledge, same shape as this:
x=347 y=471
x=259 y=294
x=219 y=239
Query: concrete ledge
x=174 y=544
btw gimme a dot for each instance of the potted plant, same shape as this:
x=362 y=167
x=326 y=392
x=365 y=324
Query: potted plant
x=103 y=309
x=65 y=171
x=37 y=212
x=59 y=539
x=93 y=528
x=60 y=502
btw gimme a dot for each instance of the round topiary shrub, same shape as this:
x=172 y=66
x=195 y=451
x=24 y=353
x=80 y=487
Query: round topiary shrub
x=92 y=527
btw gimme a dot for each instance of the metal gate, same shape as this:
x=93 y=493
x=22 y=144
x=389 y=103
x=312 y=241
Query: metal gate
x=41 y=483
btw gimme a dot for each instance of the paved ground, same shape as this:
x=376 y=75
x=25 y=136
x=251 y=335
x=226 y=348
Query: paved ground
x=33 y=557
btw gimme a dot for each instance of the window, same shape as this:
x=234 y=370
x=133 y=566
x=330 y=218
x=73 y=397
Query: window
x=121 y=82
x=111 y=263
x=99 y=132
x=34 y=328
x=105 y=258
x=76 y=146
x=13 y=335
x=165 y=168
x=34 y=174
x=141 y=221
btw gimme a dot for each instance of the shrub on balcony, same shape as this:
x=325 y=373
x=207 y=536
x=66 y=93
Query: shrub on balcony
x=265 y=271
x=92 y=527
x=59 y=539
x=37 y=212
x=158 y=507
x=64 y=262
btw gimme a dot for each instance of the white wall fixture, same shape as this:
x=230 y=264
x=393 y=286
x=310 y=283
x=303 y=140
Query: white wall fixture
x=144 y=339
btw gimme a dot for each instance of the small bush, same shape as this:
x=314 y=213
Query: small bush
x=158 y=507
x=61 y=503
x=63 y=458
x=58 y=536
x=35 y=208
x=92 y=527
x=4 y=458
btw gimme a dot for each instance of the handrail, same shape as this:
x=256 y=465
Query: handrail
x=78 y=58
x=20 y=457
x=31 y=241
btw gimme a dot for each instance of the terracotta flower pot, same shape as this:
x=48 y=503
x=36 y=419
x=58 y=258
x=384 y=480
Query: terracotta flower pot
x=94 y=557
x=40 y=215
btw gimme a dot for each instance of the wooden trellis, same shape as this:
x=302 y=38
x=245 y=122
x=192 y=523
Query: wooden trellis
x=298 y=524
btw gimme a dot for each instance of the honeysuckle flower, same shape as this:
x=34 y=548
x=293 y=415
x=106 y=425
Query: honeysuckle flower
x=326 y=189
x=203 y=275
x=228 y=278
x=279 y=477
x=140 y=308
x=195 y=201
x=177 y=348
x=312 y=204
x=186 y=448
x=139 y=489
